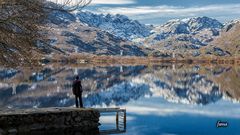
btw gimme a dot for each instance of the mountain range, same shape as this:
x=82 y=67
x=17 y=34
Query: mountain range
x=117 y=35
x=71 y=35
x=98 y=34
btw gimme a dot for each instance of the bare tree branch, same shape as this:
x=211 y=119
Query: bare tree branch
x=21 y=27
x=69 y=5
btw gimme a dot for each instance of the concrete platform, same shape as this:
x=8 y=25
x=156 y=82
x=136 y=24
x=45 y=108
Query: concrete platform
x=26 y=120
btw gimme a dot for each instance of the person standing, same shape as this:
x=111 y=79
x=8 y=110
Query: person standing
x=77 y=91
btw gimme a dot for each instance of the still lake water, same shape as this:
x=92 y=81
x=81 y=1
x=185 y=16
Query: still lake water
x=163 y=99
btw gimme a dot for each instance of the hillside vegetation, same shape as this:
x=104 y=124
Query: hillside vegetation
x=229 y=40
x=20 y=30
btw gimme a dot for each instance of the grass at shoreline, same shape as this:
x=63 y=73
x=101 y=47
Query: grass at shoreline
x=133 y=60
x=94 y=60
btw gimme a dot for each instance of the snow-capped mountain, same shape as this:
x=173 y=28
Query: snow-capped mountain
x=118 y=25
x=190 y=26
x=108 y=34
x=71 y=35
x=183 y=35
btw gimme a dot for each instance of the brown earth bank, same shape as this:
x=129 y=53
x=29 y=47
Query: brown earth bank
x=133 y=60
x=76 y=58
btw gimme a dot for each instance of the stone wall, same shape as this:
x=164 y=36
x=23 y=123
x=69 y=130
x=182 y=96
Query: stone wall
x=48 y=119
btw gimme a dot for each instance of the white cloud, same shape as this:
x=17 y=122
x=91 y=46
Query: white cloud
x=152 y=12
x=114 y=2
x=139 y=10
x=172 y=9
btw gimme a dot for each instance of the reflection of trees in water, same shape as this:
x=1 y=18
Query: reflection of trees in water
x=186 y=84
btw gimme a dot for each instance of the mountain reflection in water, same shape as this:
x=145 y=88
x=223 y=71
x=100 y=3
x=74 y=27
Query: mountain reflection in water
x=51 y=87
x=163 y=99
x=108 y=86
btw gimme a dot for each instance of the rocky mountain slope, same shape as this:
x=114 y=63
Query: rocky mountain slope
x=117 y=34
x=72 y=36
x=190 y=37
x=118 y=25
x=85 y=32
x=184 y=36
x=228 y=43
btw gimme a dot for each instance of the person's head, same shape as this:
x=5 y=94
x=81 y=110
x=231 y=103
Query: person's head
x=77 y=77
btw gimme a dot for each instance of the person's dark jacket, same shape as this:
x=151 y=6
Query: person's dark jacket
x=77 y=88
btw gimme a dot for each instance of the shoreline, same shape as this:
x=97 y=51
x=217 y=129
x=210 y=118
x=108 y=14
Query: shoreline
x=93 y=60
x=122 y=60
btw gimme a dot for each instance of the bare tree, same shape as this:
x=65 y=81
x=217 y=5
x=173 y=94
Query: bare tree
x=70 y=5
x=22 y=30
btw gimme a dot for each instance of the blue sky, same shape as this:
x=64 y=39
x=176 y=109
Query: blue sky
x=160 y=11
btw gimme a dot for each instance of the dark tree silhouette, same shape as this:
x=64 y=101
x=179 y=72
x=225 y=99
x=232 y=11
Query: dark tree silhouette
x=22 y=33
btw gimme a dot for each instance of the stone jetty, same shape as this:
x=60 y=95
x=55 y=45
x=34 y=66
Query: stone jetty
x=28 y=120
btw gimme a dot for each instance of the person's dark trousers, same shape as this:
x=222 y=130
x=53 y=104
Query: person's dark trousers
x=79 y=99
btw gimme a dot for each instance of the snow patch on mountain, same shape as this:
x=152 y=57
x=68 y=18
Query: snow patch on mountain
x=185 y=35
x=118 y=25
x=229 y=25
x=189 y=26
x=110 y=34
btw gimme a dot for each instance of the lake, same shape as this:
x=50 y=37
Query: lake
x=165 y=99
